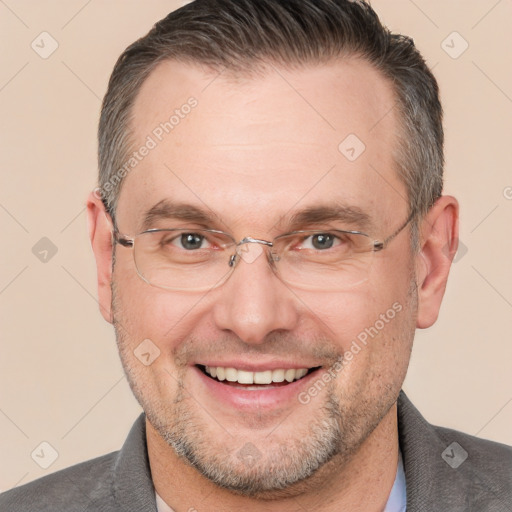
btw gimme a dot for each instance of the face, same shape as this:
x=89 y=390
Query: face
x=252 y=153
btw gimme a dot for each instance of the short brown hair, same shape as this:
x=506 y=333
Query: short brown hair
x=241 y=35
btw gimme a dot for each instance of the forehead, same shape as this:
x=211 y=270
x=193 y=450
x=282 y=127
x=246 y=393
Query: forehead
x=254 y=149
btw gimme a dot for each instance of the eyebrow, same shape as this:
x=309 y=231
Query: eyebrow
x=352 y=216
x=166 y=209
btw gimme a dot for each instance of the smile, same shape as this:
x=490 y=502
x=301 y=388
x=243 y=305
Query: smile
x=251 y=387
x=262 y=379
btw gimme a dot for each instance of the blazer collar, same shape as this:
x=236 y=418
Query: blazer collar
x=431 y=483
x=132 y=486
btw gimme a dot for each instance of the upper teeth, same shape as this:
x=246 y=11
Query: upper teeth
x=266 y=377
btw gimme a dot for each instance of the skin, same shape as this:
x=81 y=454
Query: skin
x=254 y=151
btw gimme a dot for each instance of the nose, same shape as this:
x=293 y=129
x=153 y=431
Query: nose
x=253 y=302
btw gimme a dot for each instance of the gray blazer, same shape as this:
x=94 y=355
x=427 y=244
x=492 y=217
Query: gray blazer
x=445 y=471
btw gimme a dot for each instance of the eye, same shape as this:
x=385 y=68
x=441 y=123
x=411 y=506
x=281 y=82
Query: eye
x=321 y=241
x=188 y=241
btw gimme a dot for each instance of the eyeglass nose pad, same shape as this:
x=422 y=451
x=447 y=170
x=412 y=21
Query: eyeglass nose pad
x=273 y=257
x=250 y=256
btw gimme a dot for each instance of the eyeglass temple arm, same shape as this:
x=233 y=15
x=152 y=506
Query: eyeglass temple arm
x=118 y=238
x=379 y=245
x=125 y=242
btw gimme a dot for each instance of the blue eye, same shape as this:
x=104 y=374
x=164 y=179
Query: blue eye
x=191 y=240
x=321 y=241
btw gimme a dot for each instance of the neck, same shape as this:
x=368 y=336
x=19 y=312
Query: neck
x=361 y=484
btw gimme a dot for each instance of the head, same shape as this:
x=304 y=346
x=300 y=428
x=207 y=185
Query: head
x=253 y=112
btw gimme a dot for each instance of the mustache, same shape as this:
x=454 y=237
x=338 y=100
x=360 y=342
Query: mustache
x=277 y=345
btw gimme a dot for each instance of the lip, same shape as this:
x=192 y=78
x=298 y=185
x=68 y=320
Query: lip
x=255 y=400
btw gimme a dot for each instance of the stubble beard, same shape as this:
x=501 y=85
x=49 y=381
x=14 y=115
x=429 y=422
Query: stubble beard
x=253 y=469
x=278 y=467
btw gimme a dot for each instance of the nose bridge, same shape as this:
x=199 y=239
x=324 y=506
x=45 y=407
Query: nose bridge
x=254 y=302
x=249 y=249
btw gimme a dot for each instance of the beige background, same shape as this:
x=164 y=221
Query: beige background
x=60 y=378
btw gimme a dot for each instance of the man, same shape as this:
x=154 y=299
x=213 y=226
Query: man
x=269 y=231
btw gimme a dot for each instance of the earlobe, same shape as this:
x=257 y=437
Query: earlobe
x=100 y=234
x=438 y=245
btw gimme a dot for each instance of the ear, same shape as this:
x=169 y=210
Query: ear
x=100 y=233
x=439 y=238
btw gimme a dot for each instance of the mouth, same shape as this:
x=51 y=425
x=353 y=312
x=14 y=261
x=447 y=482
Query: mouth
x=256 y=381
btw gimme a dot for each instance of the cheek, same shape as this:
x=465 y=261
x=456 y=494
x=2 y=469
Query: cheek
x=346 y=316
x=151 y=324
x=146 y=312
x=372 y=326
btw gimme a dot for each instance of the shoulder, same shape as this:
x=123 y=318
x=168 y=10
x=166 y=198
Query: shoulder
x=487 y=454
x=71 y=489
x=452 y=470
x=487 y=463
x=119 y=481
